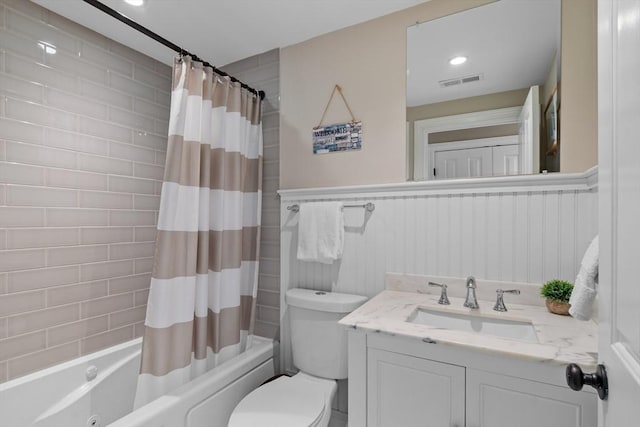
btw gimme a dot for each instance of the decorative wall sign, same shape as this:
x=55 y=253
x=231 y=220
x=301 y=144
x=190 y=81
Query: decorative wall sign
x=339 y=136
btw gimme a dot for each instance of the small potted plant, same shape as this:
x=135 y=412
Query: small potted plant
x=557 y=294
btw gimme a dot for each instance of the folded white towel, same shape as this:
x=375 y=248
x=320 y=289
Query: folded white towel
x=584 y=290
x=320 y=232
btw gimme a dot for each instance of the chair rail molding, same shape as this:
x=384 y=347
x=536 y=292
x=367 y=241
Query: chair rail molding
x=581 y=181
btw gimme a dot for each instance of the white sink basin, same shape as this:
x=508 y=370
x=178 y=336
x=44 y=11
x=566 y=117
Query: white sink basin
x=506 y=328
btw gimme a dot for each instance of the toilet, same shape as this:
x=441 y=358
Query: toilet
x=319 y=347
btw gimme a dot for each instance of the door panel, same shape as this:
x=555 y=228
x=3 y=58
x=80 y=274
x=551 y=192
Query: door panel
x=502 y=401
x=406 y=391
x=449 y=168
x=467 y=163
x=506 y=160
x=619 y=200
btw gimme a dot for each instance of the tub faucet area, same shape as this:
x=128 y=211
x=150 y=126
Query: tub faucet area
x=471 y=301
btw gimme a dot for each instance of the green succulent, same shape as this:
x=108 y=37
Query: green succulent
x=557 y=290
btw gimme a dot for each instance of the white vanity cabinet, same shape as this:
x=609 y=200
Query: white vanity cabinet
x=400 y=382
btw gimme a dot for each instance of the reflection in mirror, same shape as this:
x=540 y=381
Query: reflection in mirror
x=482 y=91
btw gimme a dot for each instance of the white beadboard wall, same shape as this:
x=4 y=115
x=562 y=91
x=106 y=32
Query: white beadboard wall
x=520 y=229
x=530 y=232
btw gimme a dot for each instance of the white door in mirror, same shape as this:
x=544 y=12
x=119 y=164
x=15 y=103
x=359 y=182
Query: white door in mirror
x=469 y=163
x=530 y=133
x=498 y=156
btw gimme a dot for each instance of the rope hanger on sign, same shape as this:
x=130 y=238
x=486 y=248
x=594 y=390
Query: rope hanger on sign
x=339 y=89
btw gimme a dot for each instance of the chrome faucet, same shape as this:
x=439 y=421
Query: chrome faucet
x=444 y=300
x=500 y=300
x=471 y=301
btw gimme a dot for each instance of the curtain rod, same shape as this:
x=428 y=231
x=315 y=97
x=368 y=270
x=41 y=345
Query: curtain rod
x=147 y=32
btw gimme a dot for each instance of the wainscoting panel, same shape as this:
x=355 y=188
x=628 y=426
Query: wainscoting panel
x=529 y=236
x=519 y=229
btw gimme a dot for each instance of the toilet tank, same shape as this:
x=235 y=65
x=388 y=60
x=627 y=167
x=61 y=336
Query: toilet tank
x=318 y=342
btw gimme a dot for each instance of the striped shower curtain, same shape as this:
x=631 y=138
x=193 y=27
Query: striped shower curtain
x=201 y=305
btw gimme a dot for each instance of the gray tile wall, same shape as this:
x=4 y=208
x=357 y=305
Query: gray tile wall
x=82 y=149
x=263 y=72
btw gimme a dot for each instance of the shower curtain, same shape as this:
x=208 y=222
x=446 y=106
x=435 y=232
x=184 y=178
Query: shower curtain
x=201 y=306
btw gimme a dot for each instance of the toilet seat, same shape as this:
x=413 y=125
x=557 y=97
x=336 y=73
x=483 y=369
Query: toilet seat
x=299 y=401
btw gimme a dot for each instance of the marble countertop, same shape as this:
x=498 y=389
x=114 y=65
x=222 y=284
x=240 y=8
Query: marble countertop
x=561 y=339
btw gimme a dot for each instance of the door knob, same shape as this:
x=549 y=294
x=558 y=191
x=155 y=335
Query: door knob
x=576 y=379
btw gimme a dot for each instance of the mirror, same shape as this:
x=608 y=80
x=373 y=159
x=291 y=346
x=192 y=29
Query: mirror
x=483 y=91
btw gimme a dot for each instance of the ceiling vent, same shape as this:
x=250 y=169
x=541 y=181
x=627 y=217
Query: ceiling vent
x=460 y=80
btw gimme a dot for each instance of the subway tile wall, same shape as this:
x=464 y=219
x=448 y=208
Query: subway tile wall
x=82 y=151
x=263 y=72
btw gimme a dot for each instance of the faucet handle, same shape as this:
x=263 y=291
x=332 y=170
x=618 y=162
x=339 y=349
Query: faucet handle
x=500 y=300
x=444 y=300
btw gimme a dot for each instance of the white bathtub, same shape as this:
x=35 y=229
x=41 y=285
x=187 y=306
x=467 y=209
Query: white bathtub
x=62 y=396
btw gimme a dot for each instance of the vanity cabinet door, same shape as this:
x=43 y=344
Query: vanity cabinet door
x=501 y=401
x=406 y=391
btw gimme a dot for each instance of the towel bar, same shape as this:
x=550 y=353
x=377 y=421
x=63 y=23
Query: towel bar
x=370 y=207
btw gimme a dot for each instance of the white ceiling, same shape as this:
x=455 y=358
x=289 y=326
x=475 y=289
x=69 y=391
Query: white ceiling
x=224 y=31
x=511 y=42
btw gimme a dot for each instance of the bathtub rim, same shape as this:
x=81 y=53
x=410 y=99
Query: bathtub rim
x=261 y=352
x=78 y=361
x=136 y=342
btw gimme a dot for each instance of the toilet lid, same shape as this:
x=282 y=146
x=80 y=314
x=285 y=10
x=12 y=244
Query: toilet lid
x=280 y=403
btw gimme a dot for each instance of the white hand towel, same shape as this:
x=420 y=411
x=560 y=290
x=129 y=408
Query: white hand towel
x=584 y=290
x=320 y=232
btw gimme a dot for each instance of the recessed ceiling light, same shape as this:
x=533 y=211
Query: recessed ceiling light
x=457 y=60
x=135 y=2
